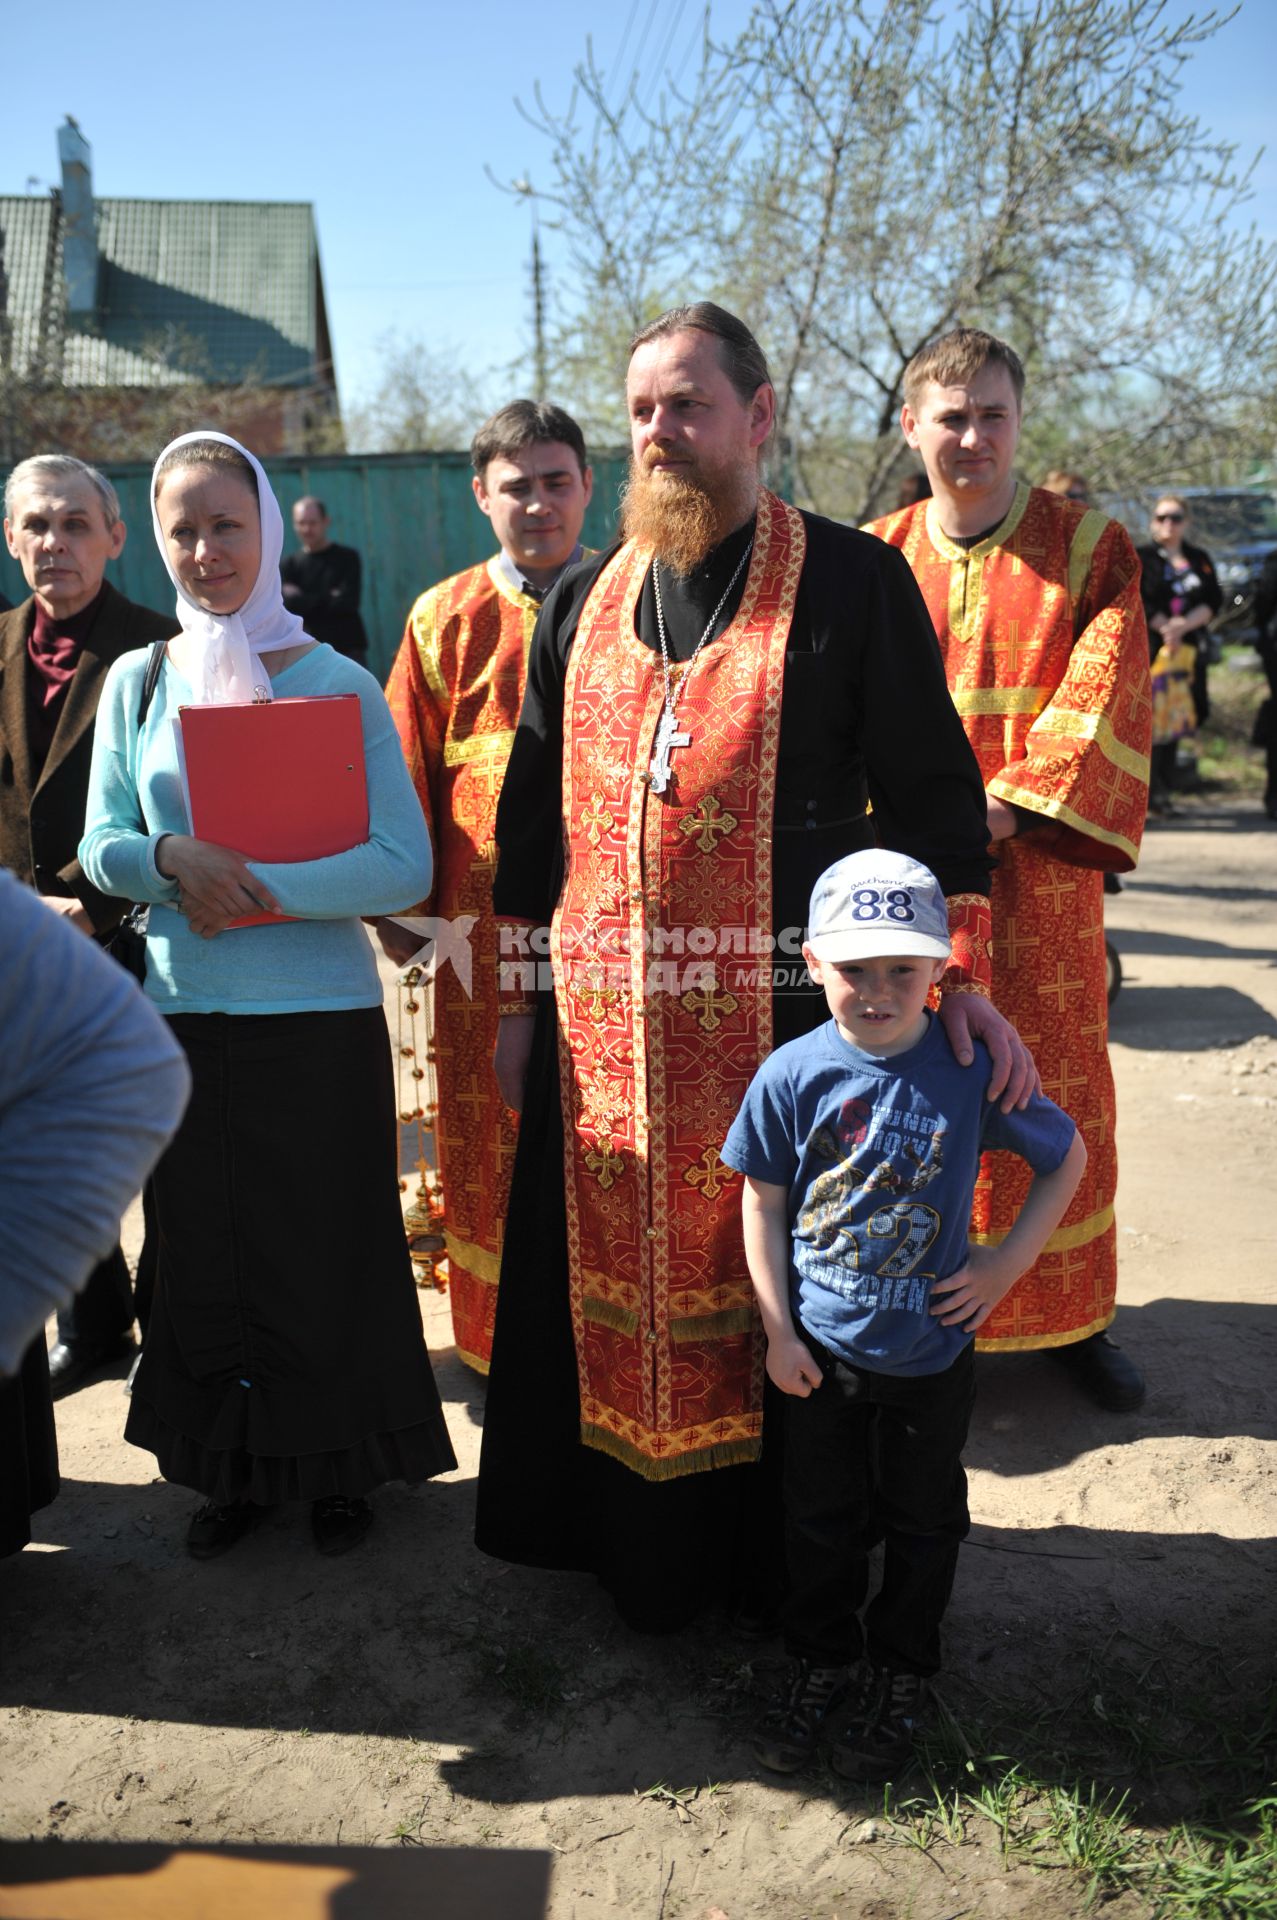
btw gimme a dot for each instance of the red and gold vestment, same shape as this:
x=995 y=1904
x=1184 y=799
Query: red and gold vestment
x=1046 y=654
x=455 y=692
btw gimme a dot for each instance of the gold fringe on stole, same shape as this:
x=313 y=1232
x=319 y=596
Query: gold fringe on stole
x=472 y=1360
x=713 y=1326
x=606 y=1313
x=728 y=1453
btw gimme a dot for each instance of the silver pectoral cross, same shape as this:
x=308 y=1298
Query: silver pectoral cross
x=667 y=737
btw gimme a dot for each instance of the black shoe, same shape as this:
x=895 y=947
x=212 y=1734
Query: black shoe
x=874 y=1738
x=1104 y=1372
x=73 y=1364
x=755 y=1618
x=338 y=1523
x=215 y=1530
x=788 y=1734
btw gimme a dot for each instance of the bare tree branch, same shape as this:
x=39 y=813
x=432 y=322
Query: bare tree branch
x=855 y=176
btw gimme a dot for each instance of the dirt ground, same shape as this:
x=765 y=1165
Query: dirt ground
x=1119 y=1578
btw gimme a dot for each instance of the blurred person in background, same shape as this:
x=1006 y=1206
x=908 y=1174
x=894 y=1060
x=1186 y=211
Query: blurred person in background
x=1069 y=486
x=1266 y=719
x=1181 y=595
x=913 y=487
x=1171 y=673
x=322 y=583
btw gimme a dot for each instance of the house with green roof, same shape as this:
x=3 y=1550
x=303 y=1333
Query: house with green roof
x=122 y=319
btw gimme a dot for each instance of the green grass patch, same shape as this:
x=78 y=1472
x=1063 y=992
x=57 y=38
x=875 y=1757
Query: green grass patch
x=1203 y=1875
x=1228 y=765
x=1087 y=1784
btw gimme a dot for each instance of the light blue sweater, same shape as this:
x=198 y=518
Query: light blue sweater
x=321 y=960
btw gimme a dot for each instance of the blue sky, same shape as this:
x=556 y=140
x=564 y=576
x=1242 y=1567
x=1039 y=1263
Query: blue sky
x=384 y=115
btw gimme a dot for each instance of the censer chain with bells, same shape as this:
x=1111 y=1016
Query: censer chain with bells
x=418 y=1091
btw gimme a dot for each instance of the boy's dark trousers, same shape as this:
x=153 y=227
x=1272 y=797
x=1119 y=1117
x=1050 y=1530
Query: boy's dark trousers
x=869 y=1457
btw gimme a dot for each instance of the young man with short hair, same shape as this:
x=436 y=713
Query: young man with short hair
x=455 y=692
x=1036 y=604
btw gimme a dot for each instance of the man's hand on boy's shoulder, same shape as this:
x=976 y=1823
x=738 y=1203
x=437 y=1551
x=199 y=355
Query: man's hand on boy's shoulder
x=791 y=1367
x=971 y=1294
x=967 y=1017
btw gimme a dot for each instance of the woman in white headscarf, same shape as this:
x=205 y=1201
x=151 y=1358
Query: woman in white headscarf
x=284 y=1357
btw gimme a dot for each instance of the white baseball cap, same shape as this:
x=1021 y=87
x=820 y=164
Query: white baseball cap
x=877 y=902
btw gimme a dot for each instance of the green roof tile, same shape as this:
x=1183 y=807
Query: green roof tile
x=187 y=289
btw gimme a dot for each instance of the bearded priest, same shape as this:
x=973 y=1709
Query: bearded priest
x=713 y=706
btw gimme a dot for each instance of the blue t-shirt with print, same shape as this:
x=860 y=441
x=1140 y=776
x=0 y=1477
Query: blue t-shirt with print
x=880 y=1158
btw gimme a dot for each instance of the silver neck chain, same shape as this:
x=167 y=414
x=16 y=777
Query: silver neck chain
x=672 y=692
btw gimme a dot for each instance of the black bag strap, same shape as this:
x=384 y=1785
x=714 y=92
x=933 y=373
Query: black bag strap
x=151 y=680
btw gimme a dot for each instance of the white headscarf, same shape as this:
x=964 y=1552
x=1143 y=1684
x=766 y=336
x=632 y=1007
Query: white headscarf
x=229 y=645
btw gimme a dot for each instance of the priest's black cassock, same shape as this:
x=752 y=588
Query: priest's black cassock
x=866 y=717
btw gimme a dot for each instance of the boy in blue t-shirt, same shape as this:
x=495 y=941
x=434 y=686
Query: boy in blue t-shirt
x=860 y=1144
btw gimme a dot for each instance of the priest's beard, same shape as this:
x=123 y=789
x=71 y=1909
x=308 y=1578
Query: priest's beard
x=682 y=517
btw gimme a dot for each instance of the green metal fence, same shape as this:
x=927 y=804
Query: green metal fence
x=411 y=515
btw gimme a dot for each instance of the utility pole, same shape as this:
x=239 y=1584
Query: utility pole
x=538 y=308
x=540 y=375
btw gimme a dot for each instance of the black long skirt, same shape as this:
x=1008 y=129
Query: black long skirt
x=28 y=1447
x=284 y=1357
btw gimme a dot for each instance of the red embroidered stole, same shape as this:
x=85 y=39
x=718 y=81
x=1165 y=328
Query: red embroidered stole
x=655 y=1055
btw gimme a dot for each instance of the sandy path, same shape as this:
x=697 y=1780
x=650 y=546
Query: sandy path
x=416 y=1692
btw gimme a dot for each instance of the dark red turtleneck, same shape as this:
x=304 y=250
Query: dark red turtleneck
x=54 y=650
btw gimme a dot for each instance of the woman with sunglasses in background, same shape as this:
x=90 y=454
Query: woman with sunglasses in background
x=1181 y=595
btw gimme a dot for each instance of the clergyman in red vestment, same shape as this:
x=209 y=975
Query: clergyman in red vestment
x=709 y=708
x=455 y=693
x=1035 y=600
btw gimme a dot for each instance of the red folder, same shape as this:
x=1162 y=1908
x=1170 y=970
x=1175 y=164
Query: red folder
x=277 y=779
